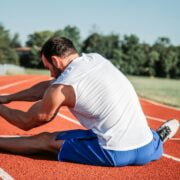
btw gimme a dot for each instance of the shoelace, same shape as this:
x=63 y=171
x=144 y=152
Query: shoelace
x=164 y=132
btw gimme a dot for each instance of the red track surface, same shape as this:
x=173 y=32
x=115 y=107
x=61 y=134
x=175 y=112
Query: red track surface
x=46 y=167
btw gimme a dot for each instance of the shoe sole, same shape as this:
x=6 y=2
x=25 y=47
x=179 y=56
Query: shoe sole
x=173 y=124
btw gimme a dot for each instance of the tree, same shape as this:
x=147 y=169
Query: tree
x=7 y=54
x=152 y=58
x=117 y=60
x=133 y=55
x=35 y=41
x=15 y=42
x=38 y=38
x=177 y=72
x=161 y=46
x=171 y=62
x=72 y=33
x=105 y=45
x=163 y=41
x=94 y=43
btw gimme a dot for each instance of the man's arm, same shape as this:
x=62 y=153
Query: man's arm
x=34 y=93
x=42 y=111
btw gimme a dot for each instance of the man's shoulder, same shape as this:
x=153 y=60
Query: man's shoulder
x=65 y=91
x=93 y=54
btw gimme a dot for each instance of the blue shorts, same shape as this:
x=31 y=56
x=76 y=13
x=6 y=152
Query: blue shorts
x=82 y=146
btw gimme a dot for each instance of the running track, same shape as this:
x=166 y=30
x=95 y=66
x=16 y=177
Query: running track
x=44 y=166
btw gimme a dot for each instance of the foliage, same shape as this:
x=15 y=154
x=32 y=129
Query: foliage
x=15 y=43
x=162 y=59
x=72 y=33
x=105 y=45
x=7 y=54
x=35 y=41
x=38 y=38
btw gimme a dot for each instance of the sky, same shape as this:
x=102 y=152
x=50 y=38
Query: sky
x=148 y=19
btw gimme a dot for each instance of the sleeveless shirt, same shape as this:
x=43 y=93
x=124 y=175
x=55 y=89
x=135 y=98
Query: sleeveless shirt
x=106 y=103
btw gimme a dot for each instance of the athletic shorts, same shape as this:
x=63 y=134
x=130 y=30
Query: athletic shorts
x=82 y=146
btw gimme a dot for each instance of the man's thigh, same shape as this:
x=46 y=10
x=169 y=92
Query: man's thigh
x=82 y=146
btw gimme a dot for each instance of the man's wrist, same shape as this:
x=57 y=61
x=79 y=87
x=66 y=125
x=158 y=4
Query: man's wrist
x=1 y=109
x=9 y=97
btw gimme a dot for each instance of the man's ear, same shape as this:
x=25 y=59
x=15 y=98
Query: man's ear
x=55 y=61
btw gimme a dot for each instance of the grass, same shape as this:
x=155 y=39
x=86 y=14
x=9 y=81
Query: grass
x=37 y=71
x=166 y=91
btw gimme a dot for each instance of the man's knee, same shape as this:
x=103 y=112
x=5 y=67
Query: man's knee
x=48 y=141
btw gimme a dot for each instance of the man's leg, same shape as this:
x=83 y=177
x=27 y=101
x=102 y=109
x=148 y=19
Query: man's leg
x=32 y=144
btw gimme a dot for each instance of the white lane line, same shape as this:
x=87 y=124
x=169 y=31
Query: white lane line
x=11 y=136
x=156 y=119
x=69 y=119
x=18 y=83
x=175 y=139
x=4 y=175
x=171 y=157
x=158 y=104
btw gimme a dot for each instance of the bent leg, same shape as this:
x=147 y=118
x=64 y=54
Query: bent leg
x=31 y=144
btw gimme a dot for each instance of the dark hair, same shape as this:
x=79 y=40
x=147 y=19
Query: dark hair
x=59 y=46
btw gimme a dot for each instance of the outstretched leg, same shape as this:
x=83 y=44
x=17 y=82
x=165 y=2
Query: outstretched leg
x=31 y=144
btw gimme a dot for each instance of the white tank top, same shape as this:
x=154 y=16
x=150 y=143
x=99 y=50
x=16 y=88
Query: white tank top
x=106 y=102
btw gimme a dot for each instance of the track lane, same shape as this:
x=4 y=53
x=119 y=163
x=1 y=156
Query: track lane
x=159 y=111
x=18 y=166
x=45 y=167
x=4 y=80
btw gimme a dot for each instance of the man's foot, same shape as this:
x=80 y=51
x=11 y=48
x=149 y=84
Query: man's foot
x=168 y=129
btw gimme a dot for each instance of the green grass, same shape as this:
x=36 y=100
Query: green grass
x=37 y=71
x=166 y=91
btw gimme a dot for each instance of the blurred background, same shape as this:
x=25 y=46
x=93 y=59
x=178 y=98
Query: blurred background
x=141 y=38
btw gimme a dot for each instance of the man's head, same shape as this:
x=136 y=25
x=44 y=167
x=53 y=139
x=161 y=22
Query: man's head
x=57 y=53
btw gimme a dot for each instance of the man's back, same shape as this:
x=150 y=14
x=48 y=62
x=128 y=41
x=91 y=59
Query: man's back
x=106 y=103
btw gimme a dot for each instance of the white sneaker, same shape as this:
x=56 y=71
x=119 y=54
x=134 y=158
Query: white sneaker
x=168 y=129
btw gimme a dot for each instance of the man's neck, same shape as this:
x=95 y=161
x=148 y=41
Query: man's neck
x=69 y=59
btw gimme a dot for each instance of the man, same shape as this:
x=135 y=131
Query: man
x=101 y=98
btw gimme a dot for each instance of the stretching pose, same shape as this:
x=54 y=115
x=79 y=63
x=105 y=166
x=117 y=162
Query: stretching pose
x=102 y=99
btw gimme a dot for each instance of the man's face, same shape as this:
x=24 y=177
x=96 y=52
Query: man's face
x=54 y=71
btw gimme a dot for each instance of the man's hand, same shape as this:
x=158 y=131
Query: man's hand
x=4 y=99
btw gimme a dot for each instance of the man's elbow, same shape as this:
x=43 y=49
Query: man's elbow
x=44 y=118
x=25 y=127
x=35 y=122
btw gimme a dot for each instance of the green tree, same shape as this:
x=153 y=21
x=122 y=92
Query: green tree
x=177 y=72
x=15 y=42
x=171 y=62
x=152 y=58
x=35 y=41
x=7 y=54
x=117 y=60
x=38 y=38
x=72 y=33
x=161 y=46
x=133 y=55
x=94 y=43
x=105 y=45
